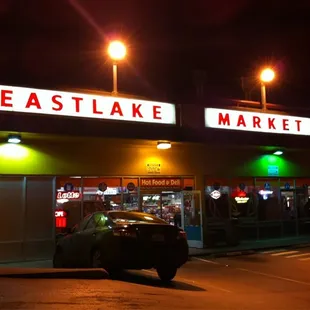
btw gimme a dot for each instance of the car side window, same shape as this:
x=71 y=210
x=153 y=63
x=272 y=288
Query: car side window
x=84 y=222
x=91 y=224
x=102 y=220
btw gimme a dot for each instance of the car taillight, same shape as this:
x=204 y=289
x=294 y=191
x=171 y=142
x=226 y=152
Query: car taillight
x=124 y=233
x=182 y=234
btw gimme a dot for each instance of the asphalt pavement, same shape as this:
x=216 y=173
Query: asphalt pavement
x=273 y=280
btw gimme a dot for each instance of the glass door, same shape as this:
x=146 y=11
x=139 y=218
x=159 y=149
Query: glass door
x=171 y=207
x=151 y=203
x=191 y=217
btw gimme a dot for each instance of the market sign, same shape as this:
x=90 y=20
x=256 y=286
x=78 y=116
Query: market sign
x=256 y=121
x=60 y=103
x=157 y=182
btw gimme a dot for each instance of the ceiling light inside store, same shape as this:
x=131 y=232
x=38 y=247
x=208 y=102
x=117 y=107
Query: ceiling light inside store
x=14 y=139
x=278 y=153
x=163 y=145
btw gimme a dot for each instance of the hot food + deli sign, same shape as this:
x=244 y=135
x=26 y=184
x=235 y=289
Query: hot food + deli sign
x=49 y=102
x=259 y=122
x=157 y=182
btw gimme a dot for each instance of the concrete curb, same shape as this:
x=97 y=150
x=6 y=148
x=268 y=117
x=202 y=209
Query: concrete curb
x=249 y=251
x=50 y=273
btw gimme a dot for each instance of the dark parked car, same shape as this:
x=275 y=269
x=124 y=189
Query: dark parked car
x=117 y=240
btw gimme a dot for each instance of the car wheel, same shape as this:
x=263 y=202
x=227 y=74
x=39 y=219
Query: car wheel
x=96 y=259
x=166 y=273
x=58 y=259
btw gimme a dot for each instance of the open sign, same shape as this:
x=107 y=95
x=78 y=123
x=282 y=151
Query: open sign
x=60 y=213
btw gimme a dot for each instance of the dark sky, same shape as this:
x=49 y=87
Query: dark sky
x=61 y=43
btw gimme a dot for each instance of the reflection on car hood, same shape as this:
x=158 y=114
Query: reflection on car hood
x=130 y=222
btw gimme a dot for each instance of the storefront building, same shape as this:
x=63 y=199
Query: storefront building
x=82 y=152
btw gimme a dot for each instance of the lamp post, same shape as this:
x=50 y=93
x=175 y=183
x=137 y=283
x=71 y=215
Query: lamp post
x=117 y=51
x=266 y=76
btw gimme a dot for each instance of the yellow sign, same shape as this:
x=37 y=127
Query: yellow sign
x=153 y=168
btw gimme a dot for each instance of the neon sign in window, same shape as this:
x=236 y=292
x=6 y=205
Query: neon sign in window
x=265 y=193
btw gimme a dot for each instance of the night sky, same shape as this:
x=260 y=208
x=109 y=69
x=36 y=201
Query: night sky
x=172 y=45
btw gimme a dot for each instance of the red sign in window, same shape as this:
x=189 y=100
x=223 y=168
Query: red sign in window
x=61 y=222
x=61 y=218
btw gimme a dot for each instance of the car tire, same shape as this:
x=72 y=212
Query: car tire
x=96 y=259
x=166 y=273
x=58 y=259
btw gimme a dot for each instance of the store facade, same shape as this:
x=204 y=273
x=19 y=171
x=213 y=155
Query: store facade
x=50 y=181
x=268 y=196
x=50 y=197
x=214 y=181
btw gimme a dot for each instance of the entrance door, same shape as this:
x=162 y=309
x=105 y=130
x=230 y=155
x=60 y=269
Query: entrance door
x=191 y=212
x=163 y=204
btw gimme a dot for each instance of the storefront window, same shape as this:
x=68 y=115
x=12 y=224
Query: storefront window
x=269 y=208
x=68 y=202
x=79 y=196
x=303 y=205
x=217 y=194
x=268 y=191
x=171 y=207
x=151 y=203
x=243 y=198
x=162 y=197
x=130 y=194
x=288 y=199
x=101 y=194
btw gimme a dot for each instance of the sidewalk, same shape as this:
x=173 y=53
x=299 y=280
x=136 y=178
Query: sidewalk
x=250 y=247
x=44 y=270
x=30 y=264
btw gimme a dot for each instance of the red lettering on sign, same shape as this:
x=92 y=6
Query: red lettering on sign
x=156 y=182
x=224 y=120
x=256 y=122
x=271 y=123
x=298 y=124
x=136 y=110
x=33 y=101
x=5 y=97
x=60 y=213
x=156 y=112
x=58 y=103
x=285 y=124
x=95 y=111
x=77 y=103
x=241 y=121
x=116 y=109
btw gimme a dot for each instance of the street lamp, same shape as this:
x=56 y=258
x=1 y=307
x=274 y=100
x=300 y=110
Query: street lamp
x=117 y=51
x=267 y=75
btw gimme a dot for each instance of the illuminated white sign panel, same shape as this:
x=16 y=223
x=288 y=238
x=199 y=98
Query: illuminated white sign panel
x=59 y=103
x=265 y=193
x=241 y=199
x=215 y=194
x=256 y=121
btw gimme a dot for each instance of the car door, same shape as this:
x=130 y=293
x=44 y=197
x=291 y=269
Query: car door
x=86 y=240
x=75 y=240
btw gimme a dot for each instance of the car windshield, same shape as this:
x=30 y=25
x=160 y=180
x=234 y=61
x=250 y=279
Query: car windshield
x=133 y=217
